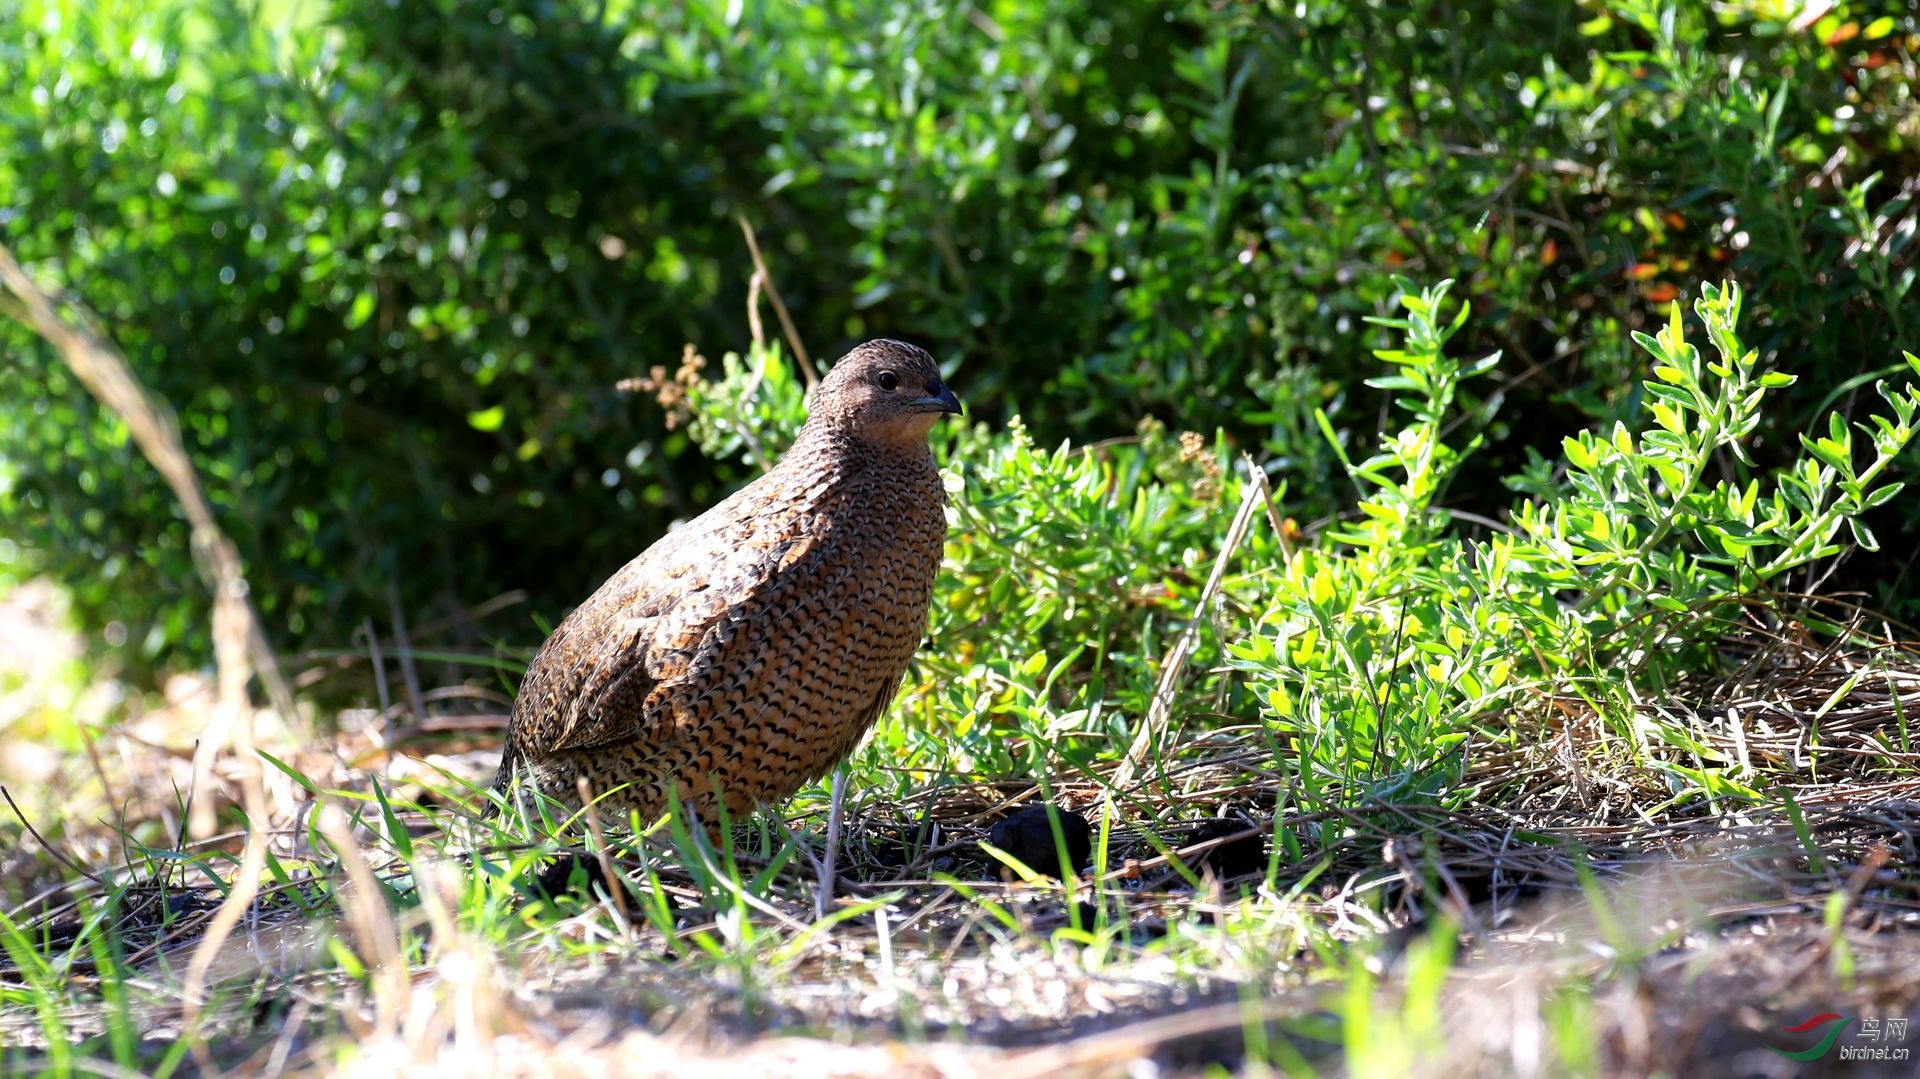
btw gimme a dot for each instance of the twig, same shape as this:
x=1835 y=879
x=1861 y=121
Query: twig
x=1258 y=476
x=156 y=430
x=240 y=643
x=408 y=673
x=379 y=662
x=57 y=853
x=616 y=889
x=1160 y=712
x=100 y=773
x=471 y=614
x=290 y=1028
x=828 y=864
x=759 y=368
x=753 y=309
x=372 y=925
x=779 y=305
x=230 y=632
x=1138 y=1040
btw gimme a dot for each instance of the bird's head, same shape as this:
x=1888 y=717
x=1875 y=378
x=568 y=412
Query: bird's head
x=884 y=392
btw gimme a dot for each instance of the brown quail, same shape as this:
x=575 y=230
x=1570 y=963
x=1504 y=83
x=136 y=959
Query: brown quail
x=746 y=653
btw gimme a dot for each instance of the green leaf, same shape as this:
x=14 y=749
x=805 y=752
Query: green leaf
x=1880 y=496
x=291 y=772
x=488 y=419
x=1863 y=535
x=1827 y=453
x=361 y=312
x=396 y=830
x=873 y=295
x=1599 y=527
x=1577 y=454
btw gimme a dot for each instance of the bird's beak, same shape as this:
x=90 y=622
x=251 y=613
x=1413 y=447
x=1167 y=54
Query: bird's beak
x=944 y=401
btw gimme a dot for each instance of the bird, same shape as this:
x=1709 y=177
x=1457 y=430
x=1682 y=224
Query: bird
x=745 y=653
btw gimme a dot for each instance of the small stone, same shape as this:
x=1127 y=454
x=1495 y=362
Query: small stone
x=1237 y=858
x=1027 y=834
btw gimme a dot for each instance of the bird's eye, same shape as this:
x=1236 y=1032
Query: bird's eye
x=889 y=381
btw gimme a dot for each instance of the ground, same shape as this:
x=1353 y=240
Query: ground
x=1577 y=919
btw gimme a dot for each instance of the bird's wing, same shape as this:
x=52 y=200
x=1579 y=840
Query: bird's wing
x=596 y=679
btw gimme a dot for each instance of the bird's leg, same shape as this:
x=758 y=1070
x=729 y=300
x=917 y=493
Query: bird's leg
x=834 y=812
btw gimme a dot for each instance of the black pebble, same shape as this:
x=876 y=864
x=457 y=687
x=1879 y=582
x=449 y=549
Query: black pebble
x=1239 y=858
x=1027 y=834
x=897 y=848
x=552 y=879
x=556 y=878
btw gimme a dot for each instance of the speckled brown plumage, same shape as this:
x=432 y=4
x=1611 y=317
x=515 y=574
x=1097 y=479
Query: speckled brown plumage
x=748 y=651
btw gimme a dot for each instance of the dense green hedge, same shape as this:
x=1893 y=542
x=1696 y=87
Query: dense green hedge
x=389 y=265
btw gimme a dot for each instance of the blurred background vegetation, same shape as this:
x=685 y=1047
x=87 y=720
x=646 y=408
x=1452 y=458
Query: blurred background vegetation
x=389 y=259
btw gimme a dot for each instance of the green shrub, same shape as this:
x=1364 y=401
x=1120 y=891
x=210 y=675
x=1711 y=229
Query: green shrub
x=1361 y=661
x=1387 y=646
x=390 y=264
